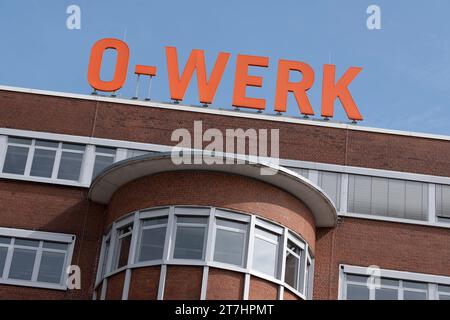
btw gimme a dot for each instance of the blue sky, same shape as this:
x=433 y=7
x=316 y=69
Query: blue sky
x=405 y=82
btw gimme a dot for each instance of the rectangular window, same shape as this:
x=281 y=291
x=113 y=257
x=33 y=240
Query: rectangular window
x=266 y=252
x=71 y=160
x=230 y=241
x=16 y=155
x=330 y=183
x=152 y=239
x=443 y=202
x=122 y=249
x=388 y=197
x=190 y=237
x=37 y=262
x=43 y=158
x=103 y=157
x=359 y=286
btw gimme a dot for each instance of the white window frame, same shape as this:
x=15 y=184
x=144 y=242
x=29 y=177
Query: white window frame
x=432 y=281
x=210 y=213
x=41 y=237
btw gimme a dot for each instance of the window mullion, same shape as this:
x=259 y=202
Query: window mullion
x=170 y=235
x=112 y=248
x=3 y=150
x=57 y=161
x=283 y=254
x=134 y=239
x=8 y=259
x=251 y=241
x=30 y=158
x=37 y=262
x=211 y=236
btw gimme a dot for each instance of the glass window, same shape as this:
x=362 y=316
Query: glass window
x=357 y=292
x=190 y=237
x=414 y=295
x=103 y=157
x=388 y=197
x=43 y=161
x=386 y=294
x=123 y=246
x=265 y=252
x=293 y=256
x=444 y=292
x=22 y=264
x=70 y=165
x=443 y=201
x=51 y=268
x=5 y=240
x=330 y=182
x=230 y=241
x=153 y=237
x=3 y=253
x=16 y=159
x=105 y=257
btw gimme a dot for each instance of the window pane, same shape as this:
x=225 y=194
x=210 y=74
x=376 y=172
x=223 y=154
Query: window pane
x=330 y=182
x=189 y=242
x=19 y=140
x=46 y=143
x=231 y=224
x=73 y=146
x=229 y=247
x=22 y=264
x=444 y=288
x=356 y=292
x=123 y=250
x=52 y=265
x=105 y=258
x=27 y=242
x=444 y=297
x=196 y=220
x=152 y=244
x=154 y=221
x=291 y=272
x=386 y=294
x=360 y=190
x=414 y=295
x=3 y=253
x=265 y=256
x=266 y=234
x=6 y=240
x=55 y=245
x=101 y=162
x=70 y=166
x=16 y=159
x=356 y=278
x=389 y=282
x=396 y=201
x=105 y=150
x=43 y=161
x=415 y=285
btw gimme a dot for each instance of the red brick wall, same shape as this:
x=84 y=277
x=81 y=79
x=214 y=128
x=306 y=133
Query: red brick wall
x=261 y=289
x=183 y=282
x=395 y=246
x=224 y=285
x=144 y=283
x=114 y=287
x=214 y=189
x=51 y=208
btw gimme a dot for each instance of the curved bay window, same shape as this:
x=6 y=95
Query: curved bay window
x=208 y=236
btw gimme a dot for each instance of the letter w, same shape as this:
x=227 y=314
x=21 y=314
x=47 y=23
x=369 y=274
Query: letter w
x=207 y=89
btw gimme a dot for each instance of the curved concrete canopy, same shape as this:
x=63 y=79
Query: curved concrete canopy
x=122 y=172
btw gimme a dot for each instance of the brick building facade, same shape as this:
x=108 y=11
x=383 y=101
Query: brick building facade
x=87 y=181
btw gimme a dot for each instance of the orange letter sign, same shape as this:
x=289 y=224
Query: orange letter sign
x=242 y=80
x=297 y=88
x=331 y=91
x=206 y=89
x=95 y=64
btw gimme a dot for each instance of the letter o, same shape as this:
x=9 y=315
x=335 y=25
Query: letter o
x=95 y=64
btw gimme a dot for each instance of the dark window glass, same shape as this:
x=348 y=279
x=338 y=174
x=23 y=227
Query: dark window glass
x=43 y=162
x=16 y=159
x=101 y=162
x=70 y=166
x=51 y=268
x=152 y=244
x=22 y=264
